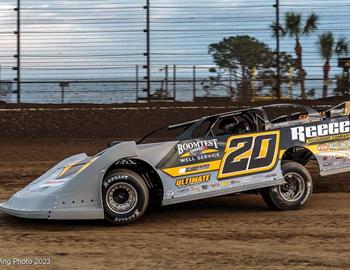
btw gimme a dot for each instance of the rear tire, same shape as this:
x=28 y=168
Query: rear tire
x=295 y=193
x=125 y=196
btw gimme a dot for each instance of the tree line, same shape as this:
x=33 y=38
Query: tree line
x=252 y=64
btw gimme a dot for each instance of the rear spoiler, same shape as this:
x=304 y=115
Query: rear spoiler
x=343 y=109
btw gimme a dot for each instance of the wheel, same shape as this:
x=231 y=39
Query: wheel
x=294 y=193
x=125 y=196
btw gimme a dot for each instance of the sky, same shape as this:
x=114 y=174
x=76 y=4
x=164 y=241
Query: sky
x=104 y=39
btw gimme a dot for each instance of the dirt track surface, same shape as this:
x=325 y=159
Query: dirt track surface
x=222 y=233
x=236 y=232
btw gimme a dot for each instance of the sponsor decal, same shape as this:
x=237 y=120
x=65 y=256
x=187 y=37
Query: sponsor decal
x=196 y=189
x=172 y=193
x=194 y=168
x=196 y=148
x=329 y=160
x=323 y=147
x=184 y=190
x=335 y=159
x=337 y=112
x=233 y=182
x=54 y=183
x=328 y=138
x=335 y=146
x=224 y=184
x=214 y=185
x=189 y=181
x=325 y=158
x=204 y=155
x=281 y=125
x=303 y=133
x=205 y=187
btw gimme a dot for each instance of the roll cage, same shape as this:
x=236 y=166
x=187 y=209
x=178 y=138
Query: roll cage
x=255 y=118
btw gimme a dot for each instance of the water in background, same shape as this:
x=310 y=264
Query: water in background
x=99 y=93
x=127 y=92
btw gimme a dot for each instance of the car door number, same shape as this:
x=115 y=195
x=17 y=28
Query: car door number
x=248 y=154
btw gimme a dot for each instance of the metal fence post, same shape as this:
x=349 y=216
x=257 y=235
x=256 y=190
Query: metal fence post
x=137 y=83
x=194 y=82
x=166 y=78
x=148 y=49
x=63 y=85
x=174 y=78
x=18 y=56
x=278 y=63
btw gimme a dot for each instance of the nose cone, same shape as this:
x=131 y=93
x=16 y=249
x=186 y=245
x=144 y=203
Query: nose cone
x=30 y=204
x=38 y=198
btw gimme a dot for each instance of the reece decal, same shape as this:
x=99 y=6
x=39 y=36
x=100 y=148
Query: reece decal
x=302 y=133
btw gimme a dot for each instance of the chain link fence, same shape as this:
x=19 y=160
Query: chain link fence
x=120 y=51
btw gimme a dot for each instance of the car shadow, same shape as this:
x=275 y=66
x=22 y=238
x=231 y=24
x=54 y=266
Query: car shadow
x=224 y=205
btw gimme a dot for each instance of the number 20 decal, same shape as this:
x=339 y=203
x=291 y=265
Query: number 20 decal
x=247 y=154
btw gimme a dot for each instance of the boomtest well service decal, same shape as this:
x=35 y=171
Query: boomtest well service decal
x=198 y=150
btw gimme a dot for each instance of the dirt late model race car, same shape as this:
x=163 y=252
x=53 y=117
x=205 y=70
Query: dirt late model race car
x=250 y=150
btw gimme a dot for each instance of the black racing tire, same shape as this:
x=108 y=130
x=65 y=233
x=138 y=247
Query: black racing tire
x=125 y=196
x=295 y=193
x=265 y=194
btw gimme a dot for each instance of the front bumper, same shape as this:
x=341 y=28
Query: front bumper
x=51 y=204
x=25 y=213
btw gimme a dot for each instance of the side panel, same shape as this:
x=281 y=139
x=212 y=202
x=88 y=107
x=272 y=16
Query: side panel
x=197 y=169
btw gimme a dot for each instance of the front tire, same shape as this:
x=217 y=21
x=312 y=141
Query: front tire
x=125 y=196
x=295 y=193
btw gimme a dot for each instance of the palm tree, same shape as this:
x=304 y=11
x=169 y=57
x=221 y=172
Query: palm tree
x=295 y=28
x=327 y=48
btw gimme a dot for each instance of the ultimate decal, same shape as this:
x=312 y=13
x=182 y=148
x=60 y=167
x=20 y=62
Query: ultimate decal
x=189 y=181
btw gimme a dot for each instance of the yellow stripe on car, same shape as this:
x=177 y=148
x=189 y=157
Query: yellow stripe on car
x=68 y=167
x=87 y=165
